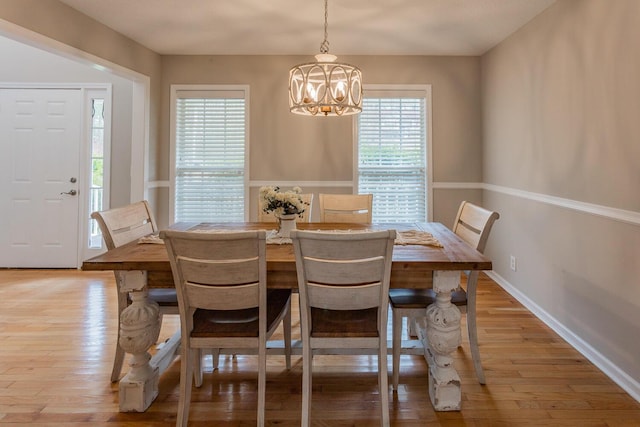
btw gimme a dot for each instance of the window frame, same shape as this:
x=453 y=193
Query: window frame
x=398 y=91
x=218 y=89
x=90 y=92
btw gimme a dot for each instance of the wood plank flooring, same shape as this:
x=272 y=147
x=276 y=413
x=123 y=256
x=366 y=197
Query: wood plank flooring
x=58 y=331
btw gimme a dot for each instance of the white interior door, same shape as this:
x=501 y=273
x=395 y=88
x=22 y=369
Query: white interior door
x=40 y=133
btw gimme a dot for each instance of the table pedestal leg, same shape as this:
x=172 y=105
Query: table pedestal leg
x=443 y=337
x=139 y=330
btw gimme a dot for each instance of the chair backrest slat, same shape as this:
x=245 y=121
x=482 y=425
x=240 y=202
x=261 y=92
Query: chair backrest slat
x=344 y=297
x=234 y=297
x=473 y=224
x=349 y=208
x=361 y=271
x=125 y=224
x=220 y=272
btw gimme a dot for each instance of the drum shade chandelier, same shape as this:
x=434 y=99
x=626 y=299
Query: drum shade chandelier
x=325 y=87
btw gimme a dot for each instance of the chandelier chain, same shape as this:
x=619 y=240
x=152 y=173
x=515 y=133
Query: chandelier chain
x=324 y=46
x=325 y=87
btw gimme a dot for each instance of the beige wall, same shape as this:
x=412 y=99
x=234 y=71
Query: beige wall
x=287 y=147
x=561 y=111
x=322 y=147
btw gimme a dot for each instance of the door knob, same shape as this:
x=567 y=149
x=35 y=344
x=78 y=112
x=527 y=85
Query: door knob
x=70 y=192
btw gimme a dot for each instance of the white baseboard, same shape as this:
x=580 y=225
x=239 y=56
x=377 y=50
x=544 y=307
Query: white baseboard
x=616 y=374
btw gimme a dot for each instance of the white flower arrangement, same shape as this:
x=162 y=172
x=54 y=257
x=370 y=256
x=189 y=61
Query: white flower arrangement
x=282 y=202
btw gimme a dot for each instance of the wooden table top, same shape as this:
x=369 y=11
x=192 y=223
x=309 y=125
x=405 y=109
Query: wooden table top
x=455 y=255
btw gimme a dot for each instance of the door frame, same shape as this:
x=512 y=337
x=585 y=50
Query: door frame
x=87 y=90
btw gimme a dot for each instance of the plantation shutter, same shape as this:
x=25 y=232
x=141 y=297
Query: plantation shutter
x=392 y=157
x=210 y=156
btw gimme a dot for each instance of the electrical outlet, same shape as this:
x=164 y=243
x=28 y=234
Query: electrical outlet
x=513 y=263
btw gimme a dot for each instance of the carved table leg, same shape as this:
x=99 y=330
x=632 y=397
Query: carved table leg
x=139 y=330
x=444 y=337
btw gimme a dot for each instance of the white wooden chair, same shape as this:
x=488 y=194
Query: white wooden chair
x=221 y=281
x=353 y=208
x=473 y=224
x=343 y=279
x=305 y=217
x=120 y=226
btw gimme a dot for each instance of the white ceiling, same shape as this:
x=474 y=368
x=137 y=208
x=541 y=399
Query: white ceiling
x=296 y=27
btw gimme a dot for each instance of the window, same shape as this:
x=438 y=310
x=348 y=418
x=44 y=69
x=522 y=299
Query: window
x=96 y=188
x=210 y=154
x=392 y=150
x=96 y=155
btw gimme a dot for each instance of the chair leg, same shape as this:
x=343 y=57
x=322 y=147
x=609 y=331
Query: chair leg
x=286 y=322
x=473 y=337
x=197 y=366
x=307 y=366
x=383 y=382
x=118 y=359
x=186 y=376
x=215 y=357
x=262 y=383
x=411 y=333
x=396 y=344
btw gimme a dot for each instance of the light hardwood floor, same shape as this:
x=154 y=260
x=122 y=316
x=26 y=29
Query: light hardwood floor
x=58 y=331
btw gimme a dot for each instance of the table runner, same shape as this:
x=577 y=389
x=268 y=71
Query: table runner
x=403 y=238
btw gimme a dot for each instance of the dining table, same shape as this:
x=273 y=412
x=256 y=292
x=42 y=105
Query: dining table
x=426 y=255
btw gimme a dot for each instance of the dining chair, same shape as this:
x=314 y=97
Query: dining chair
x=305 y=217
x=221 y=281
x=473 y=224
x=354 y=208
x=120 y=226
x=343 y=281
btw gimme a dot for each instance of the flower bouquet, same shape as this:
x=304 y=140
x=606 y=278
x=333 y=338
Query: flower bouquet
x=272 y=199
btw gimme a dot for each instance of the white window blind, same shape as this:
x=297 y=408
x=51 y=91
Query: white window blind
x=392 y=157
x=210 y=154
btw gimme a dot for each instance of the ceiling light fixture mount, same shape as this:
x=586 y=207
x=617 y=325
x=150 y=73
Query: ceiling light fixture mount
x=325 y=87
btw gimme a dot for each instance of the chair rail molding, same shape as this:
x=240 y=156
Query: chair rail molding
x=458 y=185
x=630 y=217
x=622 y=215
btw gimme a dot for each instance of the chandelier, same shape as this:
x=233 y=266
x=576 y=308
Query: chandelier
x=325 y=87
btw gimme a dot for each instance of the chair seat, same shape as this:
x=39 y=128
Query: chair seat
x=422 y=298
x=238 y=323
x=344 y=323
